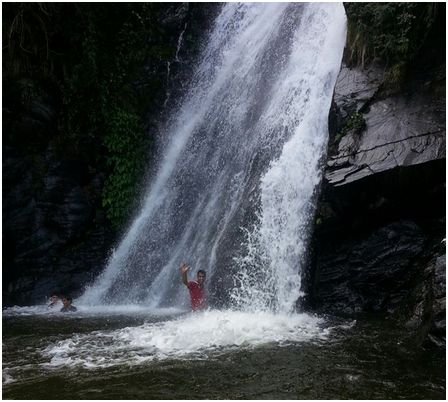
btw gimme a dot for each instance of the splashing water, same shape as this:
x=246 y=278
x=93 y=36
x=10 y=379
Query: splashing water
x=165 y=334
x=242 y=151
x=276 y=244
x=192 y=337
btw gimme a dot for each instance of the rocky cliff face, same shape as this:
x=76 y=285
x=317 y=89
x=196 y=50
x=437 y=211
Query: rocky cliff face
x=56 y=235
x=378 y=245
x=55 y=232
x=401 y=130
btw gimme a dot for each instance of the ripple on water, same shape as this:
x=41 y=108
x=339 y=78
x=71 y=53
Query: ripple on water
x=82 y=310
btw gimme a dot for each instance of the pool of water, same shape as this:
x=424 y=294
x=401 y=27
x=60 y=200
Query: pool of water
x=130 y=353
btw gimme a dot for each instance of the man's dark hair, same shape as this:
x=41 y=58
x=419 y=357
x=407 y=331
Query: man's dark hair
x=68 y=298
x=202 y=272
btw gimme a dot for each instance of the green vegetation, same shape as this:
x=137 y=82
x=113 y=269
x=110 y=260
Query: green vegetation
x=355 y=122
x=101 y=65
x=127 y=153
x=393 y=33
x=112 y=111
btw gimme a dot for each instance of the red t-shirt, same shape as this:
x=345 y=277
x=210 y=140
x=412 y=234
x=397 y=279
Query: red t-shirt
x=197 y=295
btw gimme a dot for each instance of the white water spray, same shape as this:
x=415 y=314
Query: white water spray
x=192 y=337
x=276 y=244
x=243 y=150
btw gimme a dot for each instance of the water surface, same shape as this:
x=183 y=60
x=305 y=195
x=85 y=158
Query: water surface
x=133 y=354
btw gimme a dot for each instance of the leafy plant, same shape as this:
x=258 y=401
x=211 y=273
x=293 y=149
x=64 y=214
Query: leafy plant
x=105 y=107
x=355 y=122
x=104 y=59
x=391 y=32
x=127 y=149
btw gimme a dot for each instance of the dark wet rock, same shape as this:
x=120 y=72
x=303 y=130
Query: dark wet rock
x=66 y=206
x=56 y=235
x=355 y=88
x=401 y=130
x=367 y=274
x=381 y=209
x=51 y=236
x=437 y=297
x=424 y=308
x=440 y=279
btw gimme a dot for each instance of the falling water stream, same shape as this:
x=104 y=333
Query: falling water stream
x=239 y=163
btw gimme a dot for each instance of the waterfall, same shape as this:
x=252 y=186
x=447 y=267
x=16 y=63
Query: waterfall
x=168 y=64
x=239 y=164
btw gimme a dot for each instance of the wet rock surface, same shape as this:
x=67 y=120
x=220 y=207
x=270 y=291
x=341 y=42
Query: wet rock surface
x=54 y=236
x=367 y=274
x=377 y=246
x=399 y=131
x=355 y=88
x=437 y=332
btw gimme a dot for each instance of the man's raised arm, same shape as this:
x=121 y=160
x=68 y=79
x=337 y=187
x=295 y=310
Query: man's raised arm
x=184 y=270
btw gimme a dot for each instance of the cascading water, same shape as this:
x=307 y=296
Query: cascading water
x=242 y=151
x=233 y=195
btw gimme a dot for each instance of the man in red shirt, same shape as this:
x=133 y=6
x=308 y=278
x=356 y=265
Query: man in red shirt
x=196 y=288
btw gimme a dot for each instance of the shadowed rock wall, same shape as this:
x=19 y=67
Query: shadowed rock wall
x=378 y=245
x=56 y=233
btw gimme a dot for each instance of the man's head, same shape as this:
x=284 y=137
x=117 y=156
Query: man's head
x=54 y=298
x=66 y=301
x=201 y=277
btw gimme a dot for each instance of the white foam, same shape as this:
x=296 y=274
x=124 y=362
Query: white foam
x=194 y=336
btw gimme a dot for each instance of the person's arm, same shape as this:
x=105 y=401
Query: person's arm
x=184 y=271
